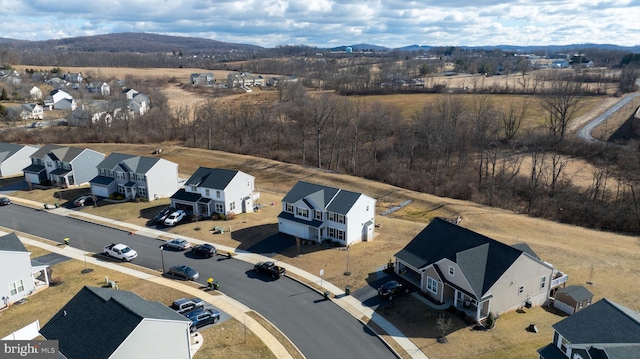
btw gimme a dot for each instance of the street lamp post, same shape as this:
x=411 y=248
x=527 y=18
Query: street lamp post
x=162 y=258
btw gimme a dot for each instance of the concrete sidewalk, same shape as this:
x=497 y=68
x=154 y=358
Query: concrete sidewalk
x=350 y=304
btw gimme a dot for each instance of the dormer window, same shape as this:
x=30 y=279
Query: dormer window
x=302 y=212
x=289 y=208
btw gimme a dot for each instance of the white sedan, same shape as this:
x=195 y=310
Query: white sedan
x=175 y=218
x=178 y=243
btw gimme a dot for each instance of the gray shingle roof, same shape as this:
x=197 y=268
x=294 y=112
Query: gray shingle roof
x=11 y=243
x=96 y=321
x=482 y=260
x=525 y=248
x=602 y=322
x=8 y=149
x=215 y=178
x=328 y=198
x=62 y=153
x=129 y=163
x=577 y=292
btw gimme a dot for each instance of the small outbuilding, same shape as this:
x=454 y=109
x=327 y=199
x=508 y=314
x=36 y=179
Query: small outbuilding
x=573 y=299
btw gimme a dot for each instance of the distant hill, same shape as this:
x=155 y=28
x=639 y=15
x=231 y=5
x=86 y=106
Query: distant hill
x=361 y=47
x=130 y=42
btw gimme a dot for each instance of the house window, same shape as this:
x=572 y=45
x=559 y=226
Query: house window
x=232 y=206
x=331 y=216
x=302 y=212
x=340 y=218
x=119 y=175
x=142 y=192
x=432 y=285
x=194 y=189
x=206 y=192
x=340 y=235
x=367 y=208
x=521 y=290
x=289 y=208
x=580 y=305
x=217 y=194
x=120 y=188
x=589 y=301
x=219 y=208
x=452 y=271
x=141 y=178
x=331 y=232
x=564 y=344
x=543 y=282
x=49 y=164
x=66 y=166
x=318 y=215
x=16 y=287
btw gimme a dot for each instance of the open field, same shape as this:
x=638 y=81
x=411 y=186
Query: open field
x=225 y=340
x=608 y=260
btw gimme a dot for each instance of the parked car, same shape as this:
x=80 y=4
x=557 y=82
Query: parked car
x=120 y=251
x=184 y=305
x=164 y=213
x=184 y=272
x=205 y=250
x=175 y=218
x=391 y=289
x=270 y=268
x=201 y=317
x=83 y=201
x=4 y=201
x=178 y=243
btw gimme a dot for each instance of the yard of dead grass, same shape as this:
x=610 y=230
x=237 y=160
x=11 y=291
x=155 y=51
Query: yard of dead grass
x=225 y=340
x=608 y=260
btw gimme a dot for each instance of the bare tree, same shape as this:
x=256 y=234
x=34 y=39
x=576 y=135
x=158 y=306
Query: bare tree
x=537 y=169
x=512 y=118
x=561 y=101
x=443 y=323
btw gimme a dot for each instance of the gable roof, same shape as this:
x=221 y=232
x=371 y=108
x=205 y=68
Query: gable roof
x=95 y=322
x=481 y=259
x=577 y=292
x=602 y=322
x=136 y=164
x=61 y=153
x=11 y=243
x=217 y=178
x=329 y=198
x=525 y=248
x=8 y=149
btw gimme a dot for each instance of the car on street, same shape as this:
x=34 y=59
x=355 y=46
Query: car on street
x=184 y=305
x=175 y=218
x=178 y=243
x=4 y=201
x=83 y=201
x=183 y=272
x=120 y=251
x=270 y=268
x=392 y=288
x=164 y=213
x=201 y=317
x=204 y=250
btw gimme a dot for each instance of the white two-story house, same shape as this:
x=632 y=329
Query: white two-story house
x=149 y=178
x=318 y=213
x=19 y=278
x=217 y=190
x=62 y=165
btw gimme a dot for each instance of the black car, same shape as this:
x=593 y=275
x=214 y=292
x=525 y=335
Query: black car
x=4 y=201
x=83 y=201
x=392 y=288
x=164 y=213
x=184 y=272
x=201 y=317
x=205 y=250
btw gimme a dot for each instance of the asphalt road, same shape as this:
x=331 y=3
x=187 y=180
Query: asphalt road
x=585 y=132
x=318 y=327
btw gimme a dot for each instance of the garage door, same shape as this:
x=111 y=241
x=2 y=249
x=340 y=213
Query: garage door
x=294 y=229
x=32 y=178
x=563 y=307
x=100 y=191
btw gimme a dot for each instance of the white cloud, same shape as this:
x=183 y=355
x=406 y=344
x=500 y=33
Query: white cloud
x=391 y=23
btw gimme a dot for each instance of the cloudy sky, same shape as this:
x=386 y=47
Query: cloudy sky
x=328 y=23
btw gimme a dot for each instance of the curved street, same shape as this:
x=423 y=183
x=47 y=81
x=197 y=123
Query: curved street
x=585 y=132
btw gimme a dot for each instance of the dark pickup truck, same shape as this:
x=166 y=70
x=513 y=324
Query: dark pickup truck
x=270 y=268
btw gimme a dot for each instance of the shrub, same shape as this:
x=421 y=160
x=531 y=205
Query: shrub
x=230 y=216
x=452 y=309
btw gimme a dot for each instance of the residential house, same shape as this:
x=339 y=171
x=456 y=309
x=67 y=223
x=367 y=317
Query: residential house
x=572 y=299
x=62 y=165
x=275 y=81
x=35 y=93
x=74 y=77
x=31 y=111
x=101 y=323
x=319 y=213
x=135 y=176
x=56 y=82
x=217 y=190
x=101 y=88
x=474 y=273
x=60 y=100
x=18 y=277
x=11 y=77
x=139 y=104
x=604 y=330
x=88 y=115
x=202 y=78
x=13 y=158
x=129 y=93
